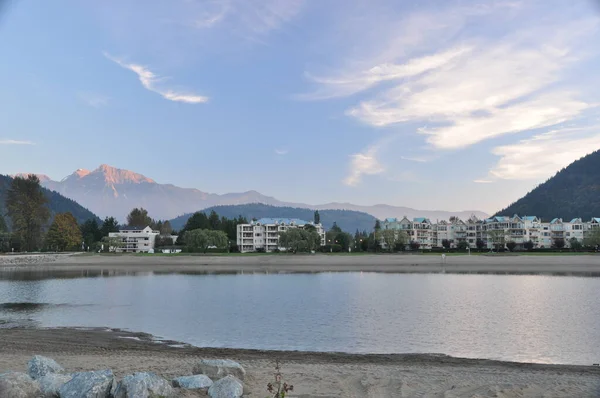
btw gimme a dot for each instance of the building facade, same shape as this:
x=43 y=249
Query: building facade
x=134 y=240
x=263 y=234
x=494 y=232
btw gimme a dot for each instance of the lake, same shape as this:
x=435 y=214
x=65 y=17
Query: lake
x=526 y=318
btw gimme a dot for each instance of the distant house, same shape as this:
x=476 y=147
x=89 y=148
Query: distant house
x=134 y=240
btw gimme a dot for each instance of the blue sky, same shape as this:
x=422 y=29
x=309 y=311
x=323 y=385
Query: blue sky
x=448 y=105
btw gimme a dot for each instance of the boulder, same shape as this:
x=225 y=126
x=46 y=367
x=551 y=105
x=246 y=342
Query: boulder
x=96 y=384
x=18 y=385
x=40 y=366
x=51 y=384
x=194 y=382
x=228 y=387
x=219 y=368
x=143 y=385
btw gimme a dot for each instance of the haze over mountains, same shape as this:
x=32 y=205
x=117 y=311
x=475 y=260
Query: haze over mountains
x=109 y=191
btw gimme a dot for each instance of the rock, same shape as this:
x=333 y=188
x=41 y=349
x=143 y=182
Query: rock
x=143 y=385
x=96 y=384
x=228 y=387
x=51 y=384
x=40 y=366
x=195 y=382
x=18 y=385
x=219 y=368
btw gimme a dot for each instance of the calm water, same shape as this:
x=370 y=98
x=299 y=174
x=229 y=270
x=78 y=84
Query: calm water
x=550 y=319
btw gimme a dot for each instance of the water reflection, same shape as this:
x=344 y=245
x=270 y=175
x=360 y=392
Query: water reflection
x=522 y=318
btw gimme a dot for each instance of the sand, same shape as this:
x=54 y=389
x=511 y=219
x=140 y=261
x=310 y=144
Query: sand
x=525 y=264
x=312 y=374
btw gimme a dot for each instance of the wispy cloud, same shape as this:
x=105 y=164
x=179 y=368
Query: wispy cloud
x=475 y=88
x=483 y=181
x=16 y=142
x=543 y=155
x=281 y=152
x=418 y=159
x=150 y=81
x=364 y=163
x=93 y=100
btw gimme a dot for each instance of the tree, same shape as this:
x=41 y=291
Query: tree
x=480 y=244
x=198 y=220
x=200 y=240
x=90 y=231
x=389 y=238
x=139 y=218
x=3 y=226
x=453 y=219
x=214 y=221
x=592 y=238
x=166 y=228
x=575 y=244
x=497 y=237
x=27 y=210
x=109 y=225
x=335 y=228
x=317 y=217
x=558 y=243
x=528 y=245
x=112 y=244
x=462 y=245
x=446 y=243
x=64 y=233
x=377 y=225
x=414 y=245
x=511 y=245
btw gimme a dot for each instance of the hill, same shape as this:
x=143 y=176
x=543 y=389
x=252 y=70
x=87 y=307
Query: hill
x=110 y=191
x=347 y=220
x=573 y=192
x=56 y=202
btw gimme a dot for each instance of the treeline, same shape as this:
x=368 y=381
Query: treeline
x=193 y=240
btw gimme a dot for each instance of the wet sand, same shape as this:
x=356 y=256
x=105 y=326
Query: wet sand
x=312 y=374
x=525 y=264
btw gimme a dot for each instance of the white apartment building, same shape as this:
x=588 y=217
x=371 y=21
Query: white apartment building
x=494 y=230
x=134 y=240
x=264 y=233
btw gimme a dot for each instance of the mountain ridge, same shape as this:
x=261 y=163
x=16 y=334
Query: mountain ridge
x=572 y=192
x=110 y=191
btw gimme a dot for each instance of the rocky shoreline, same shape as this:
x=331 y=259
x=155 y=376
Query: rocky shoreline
x=46 y=378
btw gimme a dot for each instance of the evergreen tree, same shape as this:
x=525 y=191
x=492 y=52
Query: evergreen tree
x=317 y=217
x=28 y=211
x=3 y=226
x=90 y=231
x=377 y=225
x=109 y=225
x=139 y=218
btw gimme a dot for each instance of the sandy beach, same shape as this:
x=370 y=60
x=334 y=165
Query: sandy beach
x=314 y=375
x=401 y=263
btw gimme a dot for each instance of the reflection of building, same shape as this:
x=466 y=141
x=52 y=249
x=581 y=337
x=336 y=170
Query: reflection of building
x=497 y=230
x=134 y=240
x=263 y=234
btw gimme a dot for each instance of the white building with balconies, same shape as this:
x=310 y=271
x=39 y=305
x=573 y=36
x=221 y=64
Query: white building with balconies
x=134 y=240
x=263 y=234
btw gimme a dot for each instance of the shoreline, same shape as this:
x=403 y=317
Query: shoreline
x=584 y=265
x=314 y=374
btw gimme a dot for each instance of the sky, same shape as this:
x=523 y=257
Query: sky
x=440 y=105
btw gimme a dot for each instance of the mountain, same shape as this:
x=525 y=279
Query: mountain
x=347 y=220
x=56 y=202
x=572 y=192
x=109 y=191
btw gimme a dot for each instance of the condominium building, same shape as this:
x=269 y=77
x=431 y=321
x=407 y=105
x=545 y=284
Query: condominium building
x=263 y=234
x=494 y=231
x=134 y=240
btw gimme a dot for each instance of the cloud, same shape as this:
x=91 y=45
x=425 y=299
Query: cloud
x=543 y=155
x=150 y=81
x=16 y=142
x=364 y=163
x=470 y=85
x=93 y=100
x=281 y=152
x=483 y=181
x=418 y=159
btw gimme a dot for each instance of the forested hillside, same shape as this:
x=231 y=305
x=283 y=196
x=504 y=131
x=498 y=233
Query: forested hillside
x=347 y=220
x=572 y=192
